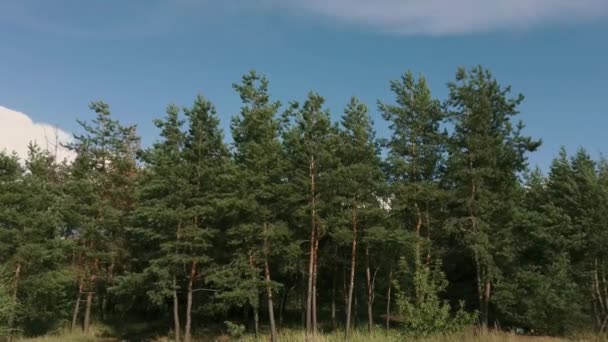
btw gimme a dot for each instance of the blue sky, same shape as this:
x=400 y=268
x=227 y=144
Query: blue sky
x=139 y=56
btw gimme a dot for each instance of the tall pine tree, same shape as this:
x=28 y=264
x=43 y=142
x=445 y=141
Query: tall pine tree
x=487 y=152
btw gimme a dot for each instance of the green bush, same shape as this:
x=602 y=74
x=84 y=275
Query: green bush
x=235 y=330
x=422 y=311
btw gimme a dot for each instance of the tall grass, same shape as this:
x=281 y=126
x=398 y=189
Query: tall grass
x=363 y=336
x=289 y=335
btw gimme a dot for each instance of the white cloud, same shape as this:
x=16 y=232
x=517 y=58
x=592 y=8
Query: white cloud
x=17 y=130
x=441 y=17
x=144 y=18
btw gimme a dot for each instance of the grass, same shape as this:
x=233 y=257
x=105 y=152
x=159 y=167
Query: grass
x=289 y=335
x=361 y=336
x=63 y=337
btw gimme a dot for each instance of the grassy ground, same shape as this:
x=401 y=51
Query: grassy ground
x=358 y=336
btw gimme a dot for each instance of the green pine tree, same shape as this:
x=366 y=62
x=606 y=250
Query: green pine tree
x=487 y=151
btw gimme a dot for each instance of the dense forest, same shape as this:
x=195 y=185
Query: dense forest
x=308 y=222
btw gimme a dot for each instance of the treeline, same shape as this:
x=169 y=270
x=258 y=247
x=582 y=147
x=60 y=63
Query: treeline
x=303 y=221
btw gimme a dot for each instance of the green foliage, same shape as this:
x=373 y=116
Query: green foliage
x=8 y=305
x=421 y=309
x=235 y=330
x=194 y=230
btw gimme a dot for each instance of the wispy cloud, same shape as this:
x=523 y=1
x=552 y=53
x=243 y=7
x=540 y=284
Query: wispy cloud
x=17 y=130
x=140 y=18
x=444 y=17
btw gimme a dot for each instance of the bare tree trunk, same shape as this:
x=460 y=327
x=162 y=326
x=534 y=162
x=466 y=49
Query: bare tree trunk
x=87 y=311
x=354 y=315
x=345 y=291
x=600 y=298
x=351 y=286
x=370 y=292
x=256 y=321
x=303 y=302
x=176 y=322
x=77 y=305
x=90 y=295
x=333 y=301
x=255 y=305
x=596 y=310
x=273 y=328
x=11 y=319
x=388 y=298
x=188 y=329
x=104 y=299
x=283 y=304
x=314 y=287
x=486 y=305
x=417 y=230
x=311 y=264
x=480 y=292
x=428 y=234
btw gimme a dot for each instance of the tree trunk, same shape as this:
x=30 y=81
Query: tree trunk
x=417 y=230
x=11 y=318
x=176 y=322
x=354 y=314
x=370 y=292
x=90 y=294
x=388 y=299
x=480 y=291
x=303 y=302
x=283 y=304
x=87 y=311
x=256 y=321
x=351 y=285
x=600 y=298
x=333 y=301
x=273 y=328
x=311 y=263
x=486 y=305
x=106 y=294
x=314 y=288
x=255 y=301
x=188 y=329
x=428 y=234
x=345 y=291
x=77 y=305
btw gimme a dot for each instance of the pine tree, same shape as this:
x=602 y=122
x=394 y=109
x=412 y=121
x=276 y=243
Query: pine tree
x=207 y=163
x=100 y=190
x=161 y=213
x=261 y=169
x=487 y=152
x=538 y=289
x=308 y=141
x=29 y=239
x=359 y=180
x=415 y=163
